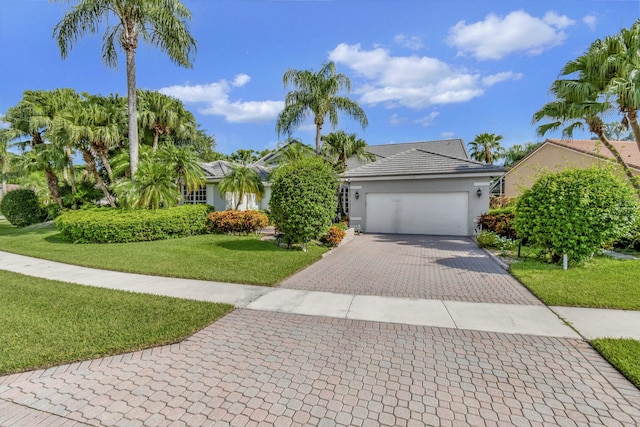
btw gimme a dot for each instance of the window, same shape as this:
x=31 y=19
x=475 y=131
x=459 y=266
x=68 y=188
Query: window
x=196 y=197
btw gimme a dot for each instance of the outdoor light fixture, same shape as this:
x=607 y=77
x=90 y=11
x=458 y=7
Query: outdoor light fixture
x=357 y=195
x=479 y=192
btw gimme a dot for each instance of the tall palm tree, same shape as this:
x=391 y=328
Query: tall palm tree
x=340 y=146
x=316 y=95
x=161 y=23
x=163 y=115
x=184 y=165
x=240 y=181
x=153 y=188
x=486 y=148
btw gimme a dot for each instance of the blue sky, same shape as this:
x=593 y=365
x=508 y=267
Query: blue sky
x=421 y=69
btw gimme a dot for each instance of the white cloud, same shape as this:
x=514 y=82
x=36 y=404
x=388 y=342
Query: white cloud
x=496 y=37
x=427 y=120
x=411 y=81
x=448 y=134
x=397 y=120
x=215 y=97
x=590 y=21
x=410 y=42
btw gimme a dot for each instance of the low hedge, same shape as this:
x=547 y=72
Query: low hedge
x=236 y=222
x=107 y=225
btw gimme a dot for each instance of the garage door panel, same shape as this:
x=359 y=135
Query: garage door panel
x=417 y=213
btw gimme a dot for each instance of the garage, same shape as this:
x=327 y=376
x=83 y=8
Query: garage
x=418 y=213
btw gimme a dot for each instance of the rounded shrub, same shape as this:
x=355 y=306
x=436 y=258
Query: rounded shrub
x=575 y=212
x=108 y=225
x=21 y=208
x=237 y=222
x=303 y=198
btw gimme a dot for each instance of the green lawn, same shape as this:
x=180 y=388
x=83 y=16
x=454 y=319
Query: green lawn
x=47 y=323
x=235 y=259
x=601 y=283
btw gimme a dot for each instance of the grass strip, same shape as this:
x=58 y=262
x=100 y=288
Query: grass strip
x=47 y=323
x=624 y=354
x=215 y=257
x=601 y=283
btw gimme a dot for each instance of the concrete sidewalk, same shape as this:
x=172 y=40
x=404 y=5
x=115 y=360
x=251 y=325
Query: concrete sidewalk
x=487 y=317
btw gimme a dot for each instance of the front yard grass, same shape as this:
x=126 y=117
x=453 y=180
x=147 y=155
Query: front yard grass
x=47 y=323
x=601 y=283
x=222 y=258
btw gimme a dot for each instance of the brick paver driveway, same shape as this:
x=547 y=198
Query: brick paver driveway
x=429 y=267
x=264 y=368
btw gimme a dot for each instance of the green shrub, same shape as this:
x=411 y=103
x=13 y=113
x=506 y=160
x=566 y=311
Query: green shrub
x=303 y=198
x=489 y=239
x=107 y=225
x=575 y=212
x=334 y=236
x=238 y=222
x=21 y=208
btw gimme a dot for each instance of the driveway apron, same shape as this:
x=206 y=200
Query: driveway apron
x=255 y=367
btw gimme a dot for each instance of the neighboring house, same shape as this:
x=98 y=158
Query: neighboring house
x=10 y=187
x=419 y=188
x=412 y=188
x=557 y=154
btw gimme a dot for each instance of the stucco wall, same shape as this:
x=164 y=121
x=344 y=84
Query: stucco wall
x=548 y=158
x=477 y=205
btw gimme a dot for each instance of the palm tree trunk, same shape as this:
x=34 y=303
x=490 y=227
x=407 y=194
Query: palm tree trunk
x=107 y=166
x=90 y=161
x=318 y=137
x=4 y=176
x=156 y=138
x=240 y=196
x=54 y=186
x=632 y=117
x=132 y=110
x=625 y=167
x=72 y=170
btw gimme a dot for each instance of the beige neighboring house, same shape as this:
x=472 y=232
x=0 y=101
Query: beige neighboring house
x=557 y=154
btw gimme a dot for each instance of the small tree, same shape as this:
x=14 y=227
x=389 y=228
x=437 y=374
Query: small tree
x=575 y=212
x=303 y=198
x=21 y=208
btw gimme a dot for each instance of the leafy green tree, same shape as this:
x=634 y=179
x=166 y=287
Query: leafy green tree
x=575 y=212
x=517 y=152
x=316 y=95
x=164 y=115
x=161 y=23
x=486 y=148
x=340 y=146
x=303 y=198
x=153 y=188
x=242 y=180
x=244 y=157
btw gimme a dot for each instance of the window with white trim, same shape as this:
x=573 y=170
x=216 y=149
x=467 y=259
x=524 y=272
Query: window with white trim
x=195 y=197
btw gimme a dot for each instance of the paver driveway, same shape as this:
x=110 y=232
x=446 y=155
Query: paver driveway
x=268 y=368
x=429 y=267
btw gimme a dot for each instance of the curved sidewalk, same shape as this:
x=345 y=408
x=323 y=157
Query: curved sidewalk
x=489 y=317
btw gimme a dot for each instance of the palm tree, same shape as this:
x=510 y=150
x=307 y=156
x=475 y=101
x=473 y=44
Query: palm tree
x=242 y=180
x=486 y=148
x=6 y=135
x=315 y=95
x=162 y=23
x=184 y=165
x=163 y=115
x=153 y=188
x=340 y=146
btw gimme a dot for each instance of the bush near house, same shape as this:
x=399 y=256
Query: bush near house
x=21 y=208
x=303 y=199
x=499 y=221
x=575 y=212
x=334 y=236
x=235 y=222
x=107 y=225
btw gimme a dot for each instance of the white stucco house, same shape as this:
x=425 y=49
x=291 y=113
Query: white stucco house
x=429 y=187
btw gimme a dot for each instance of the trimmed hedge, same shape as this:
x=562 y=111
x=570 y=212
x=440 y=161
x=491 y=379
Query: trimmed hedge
x=238 y=222
x=108 y=225
x=21 y=208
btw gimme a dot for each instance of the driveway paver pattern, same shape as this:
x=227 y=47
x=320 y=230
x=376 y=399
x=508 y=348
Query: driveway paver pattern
x=256 y=368
x=412 y=266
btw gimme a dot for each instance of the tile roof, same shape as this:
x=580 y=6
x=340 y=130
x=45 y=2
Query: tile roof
x=221 y=168
x=416 y=161
x=627 y=149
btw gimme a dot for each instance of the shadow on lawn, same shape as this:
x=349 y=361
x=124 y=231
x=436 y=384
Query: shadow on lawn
x=250 y=245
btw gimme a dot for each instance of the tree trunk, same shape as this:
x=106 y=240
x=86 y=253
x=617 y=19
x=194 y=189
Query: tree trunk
x=107 y=166
x=72 y=176
x=156 y=138
x=318 y=136
x=54 y=186
x=627 y=171
x=632 y=117
x=132 y=110
x=90 y=161
x=4 y=179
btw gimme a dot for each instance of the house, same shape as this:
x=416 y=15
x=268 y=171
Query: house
x=419 y=188
x=412 y=188
x=558 y=154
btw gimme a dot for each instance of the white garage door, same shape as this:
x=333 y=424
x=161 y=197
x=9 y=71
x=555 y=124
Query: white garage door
x=418 y=213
